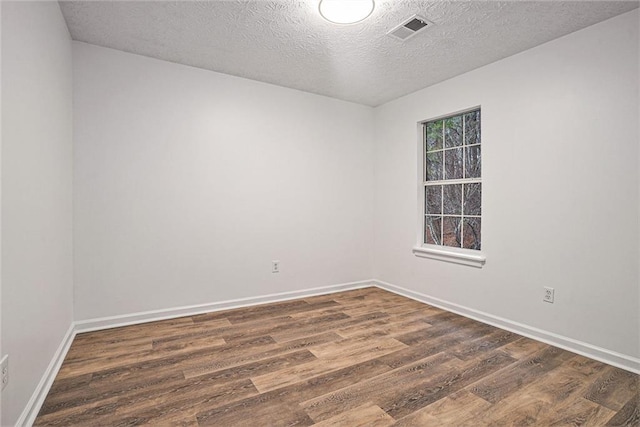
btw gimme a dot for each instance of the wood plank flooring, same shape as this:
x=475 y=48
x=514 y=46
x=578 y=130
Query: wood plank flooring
x=359 y=358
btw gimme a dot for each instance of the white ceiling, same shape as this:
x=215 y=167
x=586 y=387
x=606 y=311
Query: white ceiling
x=287 y=43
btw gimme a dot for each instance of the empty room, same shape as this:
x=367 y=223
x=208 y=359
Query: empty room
x=320 y=212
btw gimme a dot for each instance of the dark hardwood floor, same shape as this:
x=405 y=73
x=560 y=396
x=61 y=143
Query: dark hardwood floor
x=359 y=358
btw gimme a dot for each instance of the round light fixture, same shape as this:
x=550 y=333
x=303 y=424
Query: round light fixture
x=345 y=11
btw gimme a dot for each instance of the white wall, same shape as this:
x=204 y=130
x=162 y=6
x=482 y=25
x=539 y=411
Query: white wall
x=188 y=183
x=560 y=187
x=37 y=146
x=1 y=352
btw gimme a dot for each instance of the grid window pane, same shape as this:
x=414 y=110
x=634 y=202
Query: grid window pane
x=472 y=128
x=472 y=162
x=432 y=230
x=453 y=163
x=472 y=199
x=433 y=197
x=434 y=135
x=472 y=233
x=452 y=199
x=434 y=166
x=453 y=132
x=452 y=181
x=451 y=232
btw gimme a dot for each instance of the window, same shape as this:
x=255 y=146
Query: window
x=452 y=181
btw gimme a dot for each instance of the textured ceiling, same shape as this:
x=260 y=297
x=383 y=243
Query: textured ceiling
x=287 y=43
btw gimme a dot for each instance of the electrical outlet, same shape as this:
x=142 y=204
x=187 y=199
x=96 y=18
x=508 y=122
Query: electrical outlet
x=548 y=294
x=275 y=266
x=4 y=368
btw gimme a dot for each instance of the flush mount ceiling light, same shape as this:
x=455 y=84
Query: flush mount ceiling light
x=345 y=11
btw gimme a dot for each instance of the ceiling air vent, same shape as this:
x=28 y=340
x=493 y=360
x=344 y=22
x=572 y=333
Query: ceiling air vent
x=410 y=27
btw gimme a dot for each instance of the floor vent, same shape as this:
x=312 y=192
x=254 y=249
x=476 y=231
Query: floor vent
x=410 y=27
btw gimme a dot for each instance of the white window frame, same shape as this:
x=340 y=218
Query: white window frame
x=469 y=257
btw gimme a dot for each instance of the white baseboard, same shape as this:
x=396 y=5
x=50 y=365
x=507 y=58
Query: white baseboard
x=30 y=412
x=171 y=313
x=619 y=360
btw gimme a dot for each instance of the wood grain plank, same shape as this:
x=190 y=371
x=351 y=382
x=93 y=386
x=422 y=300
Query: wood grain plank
x=613 y=388
x=189 y=344
x=386 y=305
x=105 y=351
x=260 y=407
x=136 y=331
x=494 y=340
x=382 y=327
x=439 y=386
x=215 y=328
x=367 y=415
x=327 y=361
x=96 y=413
x=576 y=413
x=264 y=311
x=186 y=400
x=312 y=325
x=455 y=409
x=629 y=415
x=459 y=326
x=250 y=408
x=523 y=347
x=584 y=367
x=497 y=387
x=150 y=357
x=346 y=297
x=291 y=329
x=377 y=388
x=209 y=365
x=521 y=412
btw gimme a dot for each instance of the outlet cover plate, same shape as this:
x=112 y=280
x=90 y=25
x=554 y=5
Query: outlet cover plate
x=548 y=295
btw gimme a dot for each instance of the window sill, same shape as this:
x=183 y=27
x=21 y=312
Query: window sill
x=464 y=258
